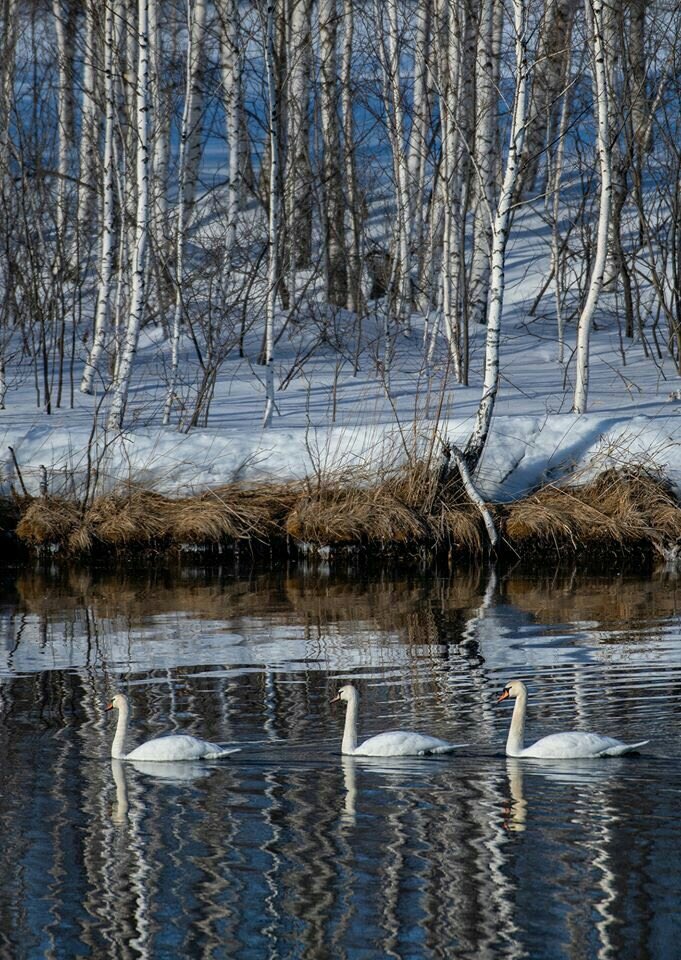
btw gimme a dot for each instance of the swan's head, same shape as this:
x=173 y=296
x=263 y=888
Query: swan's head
x=347 y=692
x=515 y=688
x=117 y=702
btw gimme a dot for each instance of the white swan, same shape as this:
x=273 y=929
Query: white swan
x=161 y=749
x=557 y=746
x=395 y=743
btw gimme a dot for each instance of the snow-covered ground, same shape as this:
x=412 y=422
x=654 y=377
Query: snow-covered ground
x=330 y=417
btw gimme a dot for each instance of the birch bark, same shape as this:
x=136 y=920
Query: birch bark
x=274 y=214
x=89 y=136
x=500 y=231
x=298 y=178
x=332 y=164
x=485 y=161
x=230 y=65
x=138 y=293
x=594 y=20
x=106 y=254
x=196 y=70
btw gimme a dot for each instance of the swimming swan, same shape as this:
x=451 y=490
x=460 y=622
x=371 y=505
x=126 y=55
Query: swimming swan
x=395 y=743
x=161 y=749
x=557 y=746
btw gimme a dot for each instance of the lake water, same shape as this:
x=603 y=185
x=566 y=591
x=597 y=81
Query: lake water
x=288 y=850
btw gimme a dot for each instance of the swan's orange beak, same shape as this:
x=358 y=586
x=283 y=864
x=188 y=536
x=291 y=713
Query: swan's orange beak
x=335 y=699
x=503 y=696
x=109 y=706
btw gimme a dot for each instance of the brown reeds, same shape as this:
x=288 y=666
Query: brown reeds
x=402 y=511
x=622 y=507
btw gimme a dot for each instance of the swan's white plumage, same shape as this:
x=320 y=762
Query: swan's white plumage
x=162 y=749
x=557 y=746
x=393 y=743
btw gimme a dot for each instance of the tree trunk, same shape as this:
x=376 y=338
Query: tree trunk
x=500 y=231
x=485 y=161
x=106 y=255
x=274 y=210
x=138 y=291
x=594 y=19
x=332 y=164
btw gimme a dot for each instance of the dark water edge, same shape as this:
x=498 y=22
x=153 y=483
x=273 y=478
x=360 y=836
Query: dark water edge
x=290 y=851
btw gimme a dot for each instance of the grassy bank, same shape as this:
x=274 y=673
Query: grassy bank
x=405 y=513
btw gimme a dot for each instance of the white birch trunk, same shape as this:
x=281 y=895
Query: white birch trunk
x=89 y=124
x=274 y=213
x=230 y=64
x=353 y=201
x=500 y=231
x=485 y=161
x=594 y=21
x=138 y=293
x=298 y=177
x=418 y=137
x=196 y=68
x=395 y=109
x=64 y=121
x=181 y=221
x=332 y=163
x=160 y=130
x=106 y=255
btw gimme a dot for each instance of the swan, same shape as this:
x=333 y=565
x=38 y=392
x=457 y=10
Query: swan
x=161 y=749
x=557 y=746
x=395 y=743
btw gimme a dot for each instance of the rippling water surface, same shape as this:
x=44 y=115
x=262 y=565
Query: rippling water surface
x=289 y=850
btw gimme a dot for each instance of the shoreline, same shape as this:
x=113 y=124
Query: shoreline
x=413 y=514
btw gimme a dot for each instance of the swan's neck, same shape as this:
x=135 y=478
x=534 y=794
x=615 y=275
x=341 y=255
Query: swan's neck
x=516 y=735
x=349 y=744
x=118 y=745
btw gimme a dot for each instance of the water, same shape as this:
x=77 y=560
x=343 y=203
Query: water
x=288 y=850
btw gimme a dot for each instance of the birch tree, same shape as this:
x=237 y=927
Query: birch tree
x=298 y=176
x=106 y=254
x=121 y=384
x=64 y=119
x=231 y=69
x=332 y=184
x=500 y=231
x=594 y=10
x=274 y=214
x=485 y=160
x=89 y=134
x=184 y=192
x=352 y=193
x=191 y=133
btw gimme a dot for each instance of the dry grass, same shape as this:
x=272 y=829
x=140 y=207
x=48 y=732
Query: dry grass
x=407 y=508
x=623 y=507
x=48 y=520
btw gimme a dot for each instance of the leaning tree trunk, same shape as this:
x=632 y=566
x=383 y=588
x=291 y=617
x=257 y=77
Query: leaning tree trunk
x=138 y=292
x=594 y=21
x=500 y=231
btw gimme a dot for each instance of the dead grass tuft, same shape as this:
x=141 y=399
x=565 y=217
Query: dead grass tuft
x=622 y=506
x=124 y=519
x=48 y=520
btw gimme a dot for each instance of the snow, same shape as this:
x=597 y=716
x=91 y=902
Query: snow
x=331 y=417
